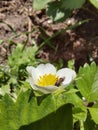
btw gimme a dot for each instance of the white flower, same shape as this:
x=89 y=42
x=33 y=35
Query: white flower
x=46 y=79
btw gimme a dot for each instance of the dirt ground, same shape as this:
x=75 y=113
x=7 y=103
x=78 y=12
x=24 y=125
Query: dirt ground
x=81 y=44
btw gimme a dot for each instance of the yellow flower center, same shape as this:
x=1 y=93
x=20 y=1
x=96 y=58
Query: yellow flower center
x=47 y=80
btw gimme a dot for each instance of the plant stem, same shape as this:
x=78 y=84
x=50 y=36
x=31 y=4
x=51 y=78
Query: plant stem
x=81 y=125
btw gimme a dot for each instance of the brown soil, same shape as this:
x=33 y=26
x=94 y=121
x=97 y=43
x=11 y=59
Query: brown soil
x=80 y=44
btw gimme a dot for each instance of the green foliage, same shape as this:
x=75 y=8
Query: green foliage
x=59 y=10
x=12 y=76
x=94 y=112
x=64 y=114
x=13 y=115
x=40 y=4
x=71 y=64
x=21 y=57
x=1 y=41
x=21 y=108
x=56 y=12
x=94 y=3
x=4 y=76
x=72 y=4
x=89 y=124
x=87 y=82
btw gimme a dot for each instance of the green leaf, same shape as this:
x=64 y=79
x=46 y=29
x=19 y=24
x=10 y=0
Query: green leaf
x=1 y=41
x=94 y=2
x=4 y=89
x=13 y=115
x=58 y=10
x=72 y=4
x=79 y=110
x=20 y=58
x=87 y=82
x=25 y=55
x=94 y=114
x=40 y=4
x=56 y=13
x=7 y=109
x=4 y=75
x=59 y=120
x=79 y=114
x=26 y=110
x=71 y=64
x=22 y=112
x=89 y=123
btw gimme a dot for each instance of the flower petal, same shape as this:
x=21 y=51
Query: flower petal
x=33 y=74
x=31 y=81
x=68 y=74
x=46 y=69
x=48 y=89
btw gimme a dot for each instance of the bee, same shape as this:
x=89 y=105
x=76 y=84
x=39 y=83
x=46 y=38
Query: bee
x=60 y=80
